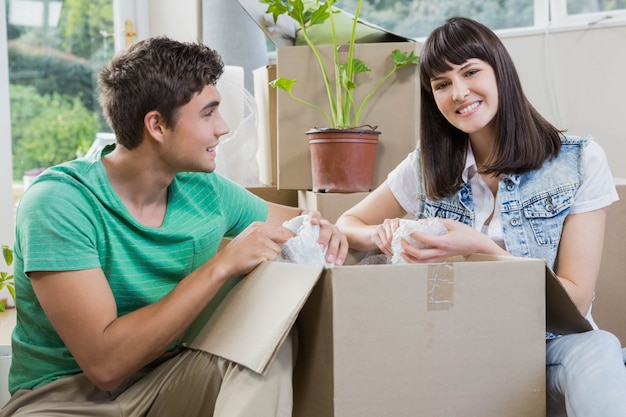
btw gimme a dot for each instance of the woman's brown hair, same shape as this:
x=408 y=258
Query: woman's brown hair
x=524 y=139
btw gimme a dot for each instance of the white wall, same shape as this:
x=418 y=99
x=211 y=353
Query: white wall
x=178 y=19
x=577 y=80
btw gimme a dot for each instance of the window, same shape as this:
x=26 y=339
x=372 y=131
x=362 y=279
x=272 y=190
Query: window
x=417 y=18
x=55 y=50
x=589 y=12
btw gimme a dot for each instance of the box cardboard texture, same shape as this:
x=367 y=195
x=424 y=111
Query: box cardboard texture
x=464 y=337
x=265 y=99
x=331 y=205
x=393 y=109
x=456 y=339
x=609 y=308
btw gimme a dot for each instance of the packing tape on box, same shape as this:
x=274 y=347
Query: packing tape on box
x=440 y=294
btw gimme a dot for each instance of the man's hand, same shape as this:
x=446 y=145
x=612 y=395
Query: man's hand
x=257 y=243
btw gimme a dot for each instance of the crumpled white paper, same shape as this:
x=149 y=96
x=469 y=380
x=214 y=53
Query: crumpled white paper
x=303 y=248
x=428 y=226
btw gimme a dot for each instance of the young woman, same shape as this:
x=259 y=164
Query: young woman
x=504 y=181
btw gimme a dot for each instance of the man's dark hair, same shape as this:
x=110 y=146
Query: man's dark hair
x=154 y=74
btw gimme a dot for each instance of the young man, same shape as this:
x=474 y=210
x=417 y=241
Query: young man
x=116 y=256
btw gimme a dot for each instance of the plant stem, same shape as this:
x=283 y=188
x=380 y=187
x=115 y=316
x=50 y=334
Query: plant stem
x=333 y=107
x=371 y=93
x=330 y=122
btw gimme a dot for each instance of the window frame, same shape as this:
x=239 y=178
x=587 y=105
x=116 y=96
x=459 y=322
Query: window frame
x=560 y=18
x=6 y=167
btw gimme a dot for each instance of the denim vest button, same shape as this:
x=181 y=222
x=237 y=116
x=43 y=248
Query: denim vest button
x=549 y=207
x=515 y=222
x=510 y=186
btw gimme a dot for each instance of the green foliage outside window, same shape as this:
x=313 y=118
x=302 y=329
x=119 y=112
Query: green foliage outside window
x=417 y=18
x=52 y=72
x=48 y=129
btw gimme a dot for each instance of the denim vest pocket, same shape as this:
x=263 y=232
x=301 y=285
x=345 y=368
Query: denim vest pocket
x=446 y=210
x=546 y=214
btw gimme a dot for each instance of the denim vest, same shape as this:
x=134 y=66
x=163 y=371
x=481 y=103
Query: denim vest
x=533 y=205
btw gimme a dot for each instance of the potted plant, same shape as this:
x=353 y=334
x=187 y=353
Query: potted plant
x=6 y=278
x=344 y=113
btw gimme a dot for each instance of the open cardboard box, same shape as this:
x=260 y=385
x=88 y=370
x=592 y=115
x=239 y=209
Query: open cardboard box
x=464 y=337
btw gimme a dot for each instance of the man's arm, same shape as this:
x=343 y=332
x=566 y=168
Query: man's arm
x=109 y=349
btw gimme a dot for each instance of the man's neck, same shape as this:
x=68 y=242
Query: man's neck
x=139 y=183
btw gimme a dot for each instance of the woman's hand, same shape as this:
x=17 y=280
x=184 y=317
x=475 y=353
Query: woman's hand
x=382 y=235
x=459 y=240
x=331 y=240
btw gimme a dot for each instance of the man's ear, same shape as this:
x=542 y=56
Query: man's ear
x=154 y=124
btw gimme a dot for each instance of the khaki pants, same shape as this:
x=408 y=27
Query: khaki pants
x=190 y=384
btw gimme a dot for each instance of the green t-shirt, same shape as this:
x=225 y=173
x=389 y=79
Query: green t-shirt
x=71 y=219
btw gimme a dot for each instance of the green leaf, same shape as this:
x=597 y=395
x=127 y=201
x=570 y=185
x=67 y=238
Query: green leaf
x=7 y=253
x=359 y=66
x=275 y=7
x=283 y=83
x=344 y=80
x=11 y=289
x=320 y=15
x=401 y=59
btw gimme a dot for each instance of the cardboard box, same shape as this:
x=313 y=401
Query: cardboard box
x=609 y=308
x=394 y=108
x=463 y=337
x=265 y=98
x=274 y=195
x=331 y=205
x=458 y=339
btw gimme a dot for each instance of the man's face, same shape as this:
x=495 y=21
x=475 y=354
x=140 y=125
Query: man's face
x=191 y=143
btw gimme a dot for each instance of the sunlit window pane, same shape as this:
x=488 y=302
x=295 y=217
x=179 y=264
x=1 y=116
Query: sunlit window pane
x=417 y=18
x=55 y=49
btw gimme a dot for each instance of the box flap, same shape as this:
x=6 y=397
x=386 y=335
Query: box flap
x=562 y=315
x=281 y=33
x=253 y=320
x=285 y=31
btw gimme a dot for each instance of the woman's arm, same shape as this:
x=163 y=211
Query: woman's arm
x=579 y=256
x=370 y=224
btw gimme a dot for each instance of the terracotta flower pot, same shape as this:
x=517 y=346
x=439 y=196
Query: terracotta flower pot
x=343 y=160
